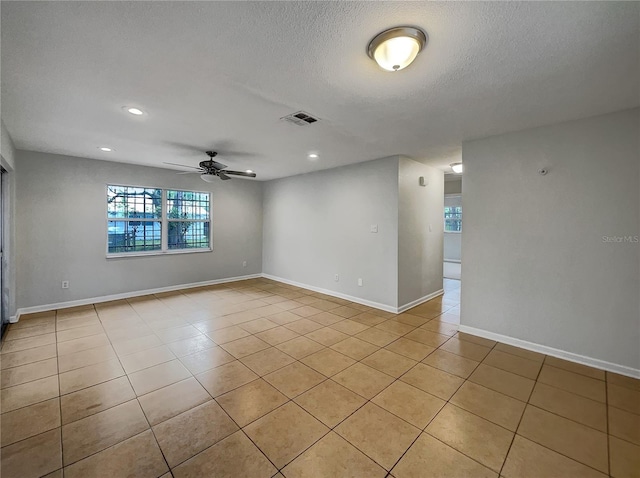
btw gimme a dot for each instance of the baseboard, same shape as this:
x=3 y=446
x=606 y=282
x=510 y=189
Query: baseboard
x=419 y=301
x=124 y=295
x=543 y=349
x=357 y=300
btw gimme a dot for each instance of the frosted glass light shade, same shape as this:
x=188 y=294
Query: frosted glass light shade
x=395 y=49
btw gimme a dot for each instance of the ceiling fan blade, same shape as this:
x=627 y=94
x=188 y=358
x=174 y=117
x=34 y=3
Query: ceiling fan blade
x=191 y=172
x=240 y=173
x=181 y=165
x=223 y=176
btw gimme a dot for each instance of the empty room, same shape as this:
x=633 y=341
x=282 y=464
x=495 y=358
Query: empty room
x=309 y=239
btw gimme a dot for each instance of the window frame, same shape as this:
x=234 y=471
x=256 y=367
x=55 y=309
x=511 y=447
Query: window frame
x=164 y=225
x=444 y=219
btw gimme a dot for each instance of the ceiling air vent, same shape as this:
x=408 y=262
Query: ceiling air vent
x=300 y=118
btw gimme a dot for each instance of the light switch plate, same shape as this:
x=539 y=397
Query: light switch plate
x=374 y=228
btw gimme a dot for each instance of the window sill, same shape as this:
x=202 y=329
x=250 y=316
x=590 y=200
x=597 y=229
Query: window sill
x=157 y=253
x=453 y=232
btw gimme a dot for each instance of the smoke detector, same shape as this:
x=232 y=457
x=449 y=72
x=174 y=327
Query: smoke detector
x=300 y=118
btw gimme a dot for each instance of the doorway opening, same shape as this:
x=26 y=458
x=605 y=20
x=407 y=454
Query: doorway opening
x=452 y=267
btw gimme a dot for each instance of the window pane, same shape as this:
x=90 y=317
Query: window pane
x=131 y=202
x=188 y=235
x=134 y=236
x=453 y=219
x=187 y=205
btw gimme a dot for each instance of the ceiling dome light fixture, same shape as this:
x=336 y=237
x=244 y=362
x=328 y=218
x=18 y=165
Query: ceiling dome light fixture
x=105 y=149
x=313 y=156
x=133 y=110
x=396 y=48
x=456 y=167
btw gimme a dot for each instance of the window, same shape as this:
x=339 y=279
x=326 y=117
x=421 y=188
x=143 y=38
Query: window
x=452 y=214
x=143 y=220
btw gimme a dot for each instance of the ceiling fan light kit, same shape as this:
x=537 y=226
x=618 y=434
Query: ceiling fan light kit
x=396 y=48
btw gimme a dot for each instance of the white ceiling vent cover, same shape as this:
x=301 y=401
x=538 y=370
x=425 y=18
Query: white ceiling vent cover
x=300 y=118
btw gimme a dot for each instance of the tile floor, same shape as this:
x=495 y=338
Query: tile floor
x=259 y=379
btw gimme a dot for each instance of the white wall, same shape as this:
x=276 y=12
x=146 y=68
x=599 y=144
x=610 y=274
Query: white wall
x=420 y=232
x=317 y=225
x=61 y=226
x=536 y=267
x=453 y=186
x=7 y=149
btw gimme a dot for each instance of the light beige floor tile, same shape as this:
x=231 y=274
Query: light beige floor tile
x=174 y=334
x=475 y=339
x=29 y=421
x=440 y=460
x=439 y=327
x=27 y=373
x=29 y=393
x=94 y=399
x=86 y=357
x=527 y=459
x=502 y=381
x=382 y=436
x=349 y=327
x=285 y=433
x=476 y=437
x=138 y=457
x=333 y=456
x=84 y=343
x=625 y=459
x=206 y=359
x=26 y=332
x=80 y=378
x=490 y=405
x=452 y=363
x=345 y=311
x=567 y=437
x=258 y=325
x=33 y=457
x=167 y=402
x=330 y=403
x=376 y=336
x=25 y=357
x=328 y=362
x=227 y=334
x=624 y=398
x=191 y=345
x=102 y=430
x=371 y=319
x=300 y=347
x=327 y=336
x=277 y=335
x=410 y=348
x=411 y=319
x=573 y=382
x=355 y=348
x=66 y=324
x=235 y=456
x=245 y=346
x=158 y=376
x=409 y=403
x=623 y=381
x=624 y=425
x=267 y=361
x=189 y=433
x=389 y=362
x=427 y=337
x=303 y=326
x=363 y=380
x=433 y=381
x=466 y=349
x=37 y=341
x=284 y=317
x=395 y=327
x=146 y=358
x=126 y=347
x=569 y=405
x=294 y=379
x=251 y=401
x=79 y=332
x=225 y=378
x=535 y=356
x=513 y=363
x=326 y=318
x=575 y=367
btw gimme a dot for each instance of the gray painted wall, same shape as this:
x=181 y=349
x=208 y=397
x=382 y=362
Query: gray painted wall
x=536 y=267
x=61 y=226
x=420 y=234
x=317 y=225
x=453 y=186
x=7 y=160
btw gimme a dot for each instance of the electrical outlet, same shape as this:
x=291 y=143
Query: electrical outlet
x=374 y=228
x=244 y=263
x=360 y=282
x=336 y=277
x=65 y=284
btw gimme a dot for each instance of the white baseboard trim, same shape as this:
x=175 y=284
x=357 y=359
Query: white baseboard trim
x=124 y=295
x=357 y=300
x=543 y=349
x=419 y=301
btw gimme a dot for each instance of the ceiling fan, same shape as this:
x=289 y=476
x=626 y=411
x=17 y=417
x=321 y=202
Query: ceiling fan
x=210 y=169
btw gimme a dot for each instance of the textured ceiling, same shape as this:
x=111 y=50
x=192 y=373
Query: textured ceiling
x=221 y=74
